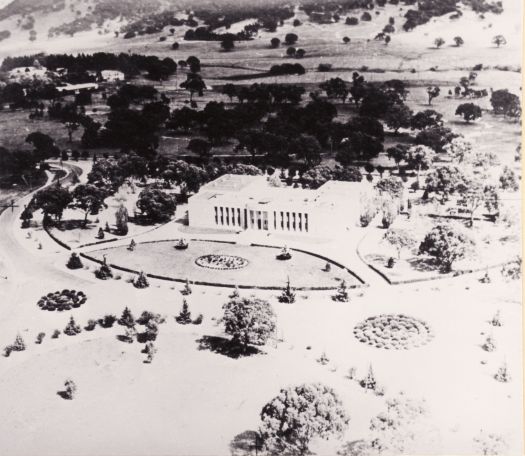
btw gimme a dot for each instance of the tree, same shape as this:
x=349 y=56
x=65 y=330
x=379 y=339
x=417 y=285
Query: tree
x=74 y=262
x=275 y=42
x=250 y=321
x=307 y=148
x=156 y=205
x=398 y=116
x=444 y=181
x=472 y=196
x=399 y=239
x=193 y=84
x=469 y=111
x=459 y=41
x=432 y=92
x=298 y=414
x=438 y=42
x=508 y=180
x=499 y=40
x=346 y=40
x=184 y=317
x=398 y=153
x=446 y=245
x=392 y=186
x=459 y=149
x=230 y=90
x=360 y=146
x=88 y=198
x=127 y=319
x=44 y=145
x=290 y=38
x=342 y=292
x=227 y=44
x=141 y=281
x=72 y=329
x=335 y=88
x=201 y=147
x=290 y=52
x=288 y=294
x=435 y=137
x=52 y=200
x=175 y=46
x=506 y=103
x=426 y=119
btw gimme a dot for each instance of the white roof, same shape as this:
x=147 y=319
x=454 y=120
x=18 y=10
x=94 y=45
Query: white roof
x=242 y=189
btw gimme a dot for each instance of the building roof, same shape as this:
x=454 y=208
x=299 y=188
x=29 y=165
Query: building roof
x=241 y=189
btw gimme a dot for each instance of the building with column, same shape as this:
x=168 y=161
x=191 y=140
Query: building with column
x=239 y=203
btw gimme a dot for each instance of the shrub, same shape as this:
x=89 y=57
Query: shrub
x=107 y=321
x=342 y=293
x=40 y=337
x=366 y=16
x=70 y=389
x=187 y=289
x=198 y=320
x=72 y=329
x=127 y=319
x=141 y=281
x=74 y=262
x=288 y=294
x=352 y=21
x=150 y=351
x=104 y=272
x=184 y=317
x=55 y=334
x=91 y=325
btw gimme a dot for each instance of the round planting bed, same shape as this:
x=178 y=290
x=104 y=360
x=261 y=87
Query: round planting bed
x=223 y=262
x=62 y=300
x=393 y=332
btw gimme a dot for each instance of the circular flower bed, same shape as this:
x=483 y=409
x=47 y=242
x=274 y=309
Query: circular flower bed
x=221 y=262
x=62 y=300
x=393 y=332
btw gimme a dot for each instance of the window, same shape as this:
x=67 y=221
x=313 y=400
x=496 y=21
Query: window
x=216 y=215
x=306 y=222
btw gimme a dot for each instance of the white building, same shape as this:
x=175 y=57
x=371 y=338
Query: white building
x=77 y=88
x=239 y=202
x=112 y=75
x=30 y=72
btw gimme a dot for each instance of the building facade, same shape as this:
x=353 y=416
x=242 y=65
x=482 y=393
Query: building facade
x=239 y=203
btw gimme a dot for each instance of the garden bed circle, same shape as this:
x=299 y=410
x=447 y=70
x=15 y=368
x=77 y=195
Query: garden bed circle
x=222 y=262
x=396 y=332
x=62 y=300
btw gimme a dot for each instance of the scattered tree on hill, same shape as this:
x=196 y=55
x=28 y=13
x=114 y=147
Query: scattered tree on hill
x=432 y=92
x=250 y=321
x=459 y=41
x=506 y=103
x=290 y=38
x=228 y=44
x=446 y=245
x=469 y=111
x=438 y=42
x=499 y=40
x=335 y=88
x=193 y=84
x=299 y=414
x=275 y=42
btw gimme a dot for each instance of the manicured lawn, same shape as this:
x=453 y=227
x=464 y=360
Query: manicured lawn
x=263 y=269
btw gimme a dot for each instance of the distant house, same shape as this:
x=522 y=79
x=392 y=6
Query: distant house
x=29 y=72
x=112 y=75
x=77 y=88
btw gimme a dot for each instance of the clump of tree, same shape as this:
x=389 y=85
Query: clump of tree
x=74 y=262
x=155 y=205
x=446 y=245
x=250 y=321
x=299 y=414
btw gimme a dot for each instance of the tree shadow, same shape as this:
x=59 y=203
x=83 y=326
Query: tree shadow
x=423 y=264
x=226 y=347
x=67 y=225
x=245 y=444
x=64 y=395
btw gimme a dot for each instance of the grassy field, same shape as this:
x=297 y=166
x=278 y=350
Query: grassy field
x=263 y=269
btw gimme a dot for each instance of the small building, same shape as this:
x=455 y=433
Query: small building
x=77 y=88
x=112 y=75
x=239 y=202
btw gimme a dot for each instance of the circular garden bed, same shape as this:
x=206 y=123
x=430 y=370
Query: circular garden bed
x=393 y=332
x=224 y=262
x=62 y=300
